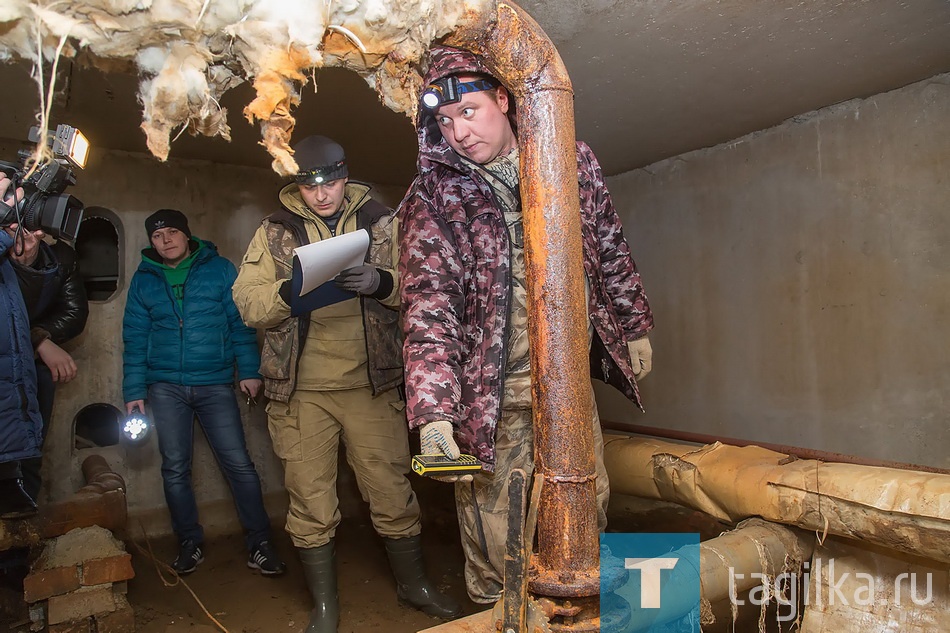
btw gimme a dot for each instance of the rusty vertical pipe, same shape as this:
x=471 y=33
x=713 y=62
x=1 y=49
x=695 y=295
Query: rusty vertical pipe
x=518 y=52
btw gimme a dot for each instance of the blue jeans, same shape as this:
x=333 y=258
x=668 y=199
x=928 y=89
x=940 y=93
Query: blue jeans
x=174 y=408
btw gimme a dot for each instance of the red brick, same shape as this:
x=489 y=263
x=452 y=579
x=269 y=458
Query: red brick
x=122 y=620
x=103 y=570
x=73 y=626
x=40 y=585
x=81 y=603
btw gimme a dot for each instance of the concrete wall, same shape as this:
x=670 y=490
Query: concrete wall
x=800 y=278
x=225 y=205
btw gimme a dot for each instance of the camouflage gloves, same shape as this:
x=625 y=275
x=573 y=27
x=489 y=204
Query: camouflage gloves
x=641 y=357
x=366 y=280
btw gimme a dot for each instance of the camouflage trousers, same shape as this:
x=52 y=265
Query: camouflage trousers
x=514 y=448
x=306 y=432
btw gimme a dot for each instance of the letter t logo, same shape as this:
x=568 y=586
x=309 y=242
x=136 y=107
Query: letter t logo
x=650 y=578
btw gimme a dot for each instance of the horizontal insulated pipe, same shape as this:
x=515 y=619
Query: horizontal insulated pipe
x=898 y=509
x=755 y=547
x=797 y=451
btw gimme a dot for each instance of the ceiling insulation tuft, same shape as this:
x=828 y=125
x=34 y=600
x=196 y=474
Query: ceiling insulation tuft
x=190 y=52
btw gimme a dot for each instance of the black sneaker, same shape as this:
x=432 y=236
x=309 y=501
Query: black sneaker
x=189 y=557
x=265 y=559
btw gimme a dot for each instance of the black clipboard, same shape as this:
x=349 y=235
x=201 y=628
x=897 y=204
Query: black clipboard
x=322 y=296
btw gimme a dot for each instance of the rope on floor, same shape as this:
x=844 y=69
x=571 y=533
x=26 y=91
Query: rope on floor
x=175 y=577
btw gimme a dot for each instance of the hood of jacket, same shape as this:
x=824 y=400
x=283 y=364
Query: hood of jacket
x=355 y=196
x=202 y=250
x=433 y=149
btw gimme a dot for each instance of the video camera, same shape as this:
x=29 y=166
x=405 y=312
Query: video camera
x=44 y=205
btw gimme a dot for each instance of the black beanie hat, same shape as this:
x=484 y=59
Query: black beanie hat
x=165 y=218
x=319 y=160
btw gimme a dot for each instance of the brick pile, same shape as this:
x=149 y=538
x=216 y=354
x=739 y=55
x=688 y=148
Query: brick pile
x=78 y=584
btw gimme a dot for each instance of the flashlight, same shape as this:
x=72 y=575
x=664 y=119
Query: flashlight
x=449 y=90
x=136 y=428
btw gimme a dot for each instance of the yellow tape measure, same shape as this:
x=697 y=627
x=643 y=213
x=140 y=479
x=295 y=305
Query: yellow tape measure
x=442 y=465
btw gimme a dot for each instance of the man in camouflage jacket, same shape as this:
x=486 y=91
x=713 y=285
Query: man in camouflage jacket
x=462 y=278
x=333 y=372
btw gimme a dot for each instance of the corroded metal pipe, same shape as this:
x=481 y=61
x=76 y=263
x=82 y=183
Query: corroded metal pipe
x=100 y=502
x=517 y=51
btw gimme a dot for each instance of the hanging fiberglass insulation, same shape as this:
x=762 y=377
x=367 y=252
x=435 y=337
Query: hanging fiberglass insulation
x=190 y=52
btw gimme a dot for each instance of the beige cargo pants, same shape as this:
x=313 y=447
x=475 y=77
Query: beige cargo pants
x=514 y=448
x=306 y=433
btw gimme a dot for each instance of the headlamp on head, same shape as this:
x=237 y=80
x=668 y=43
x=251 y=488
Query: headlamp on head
x=322 y=175
x=449 y=90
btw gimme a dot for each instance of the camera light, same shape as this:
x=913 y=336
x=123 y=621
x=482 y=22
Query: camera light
x=71 y=144
x=136 y=428
x=79 y=150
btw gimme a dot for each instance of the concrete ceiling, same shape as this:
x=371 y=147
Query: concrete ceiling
x=652 y=79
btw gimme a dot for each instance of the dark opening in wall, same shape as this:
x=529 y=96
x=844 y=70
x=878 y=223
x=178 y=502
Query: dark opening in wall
x=97 y=247
x=97 y=424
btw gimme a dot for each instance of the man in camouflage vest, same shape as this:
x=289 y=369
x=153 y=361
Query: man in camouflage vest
x=465 y=308
x=334 y=372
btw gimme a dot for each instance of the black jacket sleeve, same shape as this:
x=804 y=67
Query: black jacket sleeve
x=66 y=317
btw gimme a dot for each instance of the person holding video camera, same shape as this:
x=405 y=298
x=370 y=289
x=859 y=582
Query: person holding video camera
x=183 y=339
x=56 y=303
x=20 y=420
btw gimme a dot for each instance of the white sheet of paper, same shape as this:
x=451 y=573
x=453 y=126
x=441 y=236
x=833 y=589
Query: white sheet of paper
x=322 y=261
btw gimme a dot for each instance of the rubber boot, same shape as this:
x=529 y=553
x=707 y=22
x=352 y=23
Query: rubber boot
x=319 y=568
x=412 y=585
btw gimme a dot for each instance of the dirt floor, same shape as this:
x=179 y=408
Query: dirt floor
x=245 y=602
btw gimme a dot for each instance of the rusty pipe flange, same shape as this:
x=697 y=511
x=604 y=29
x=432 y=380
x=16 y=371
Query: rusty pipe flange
x=545 y=615
x=563 y=583
x=536 y=620
x=576 y=615
x=613 y=574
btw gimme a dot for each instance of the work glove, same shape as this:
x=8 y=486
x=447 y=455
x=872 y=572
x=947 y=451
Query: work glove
x=436 y=438
x=641 y=357
x=365 y=280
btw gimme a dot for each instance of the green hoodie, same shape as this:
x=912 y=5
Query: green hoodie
x=176 y=276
